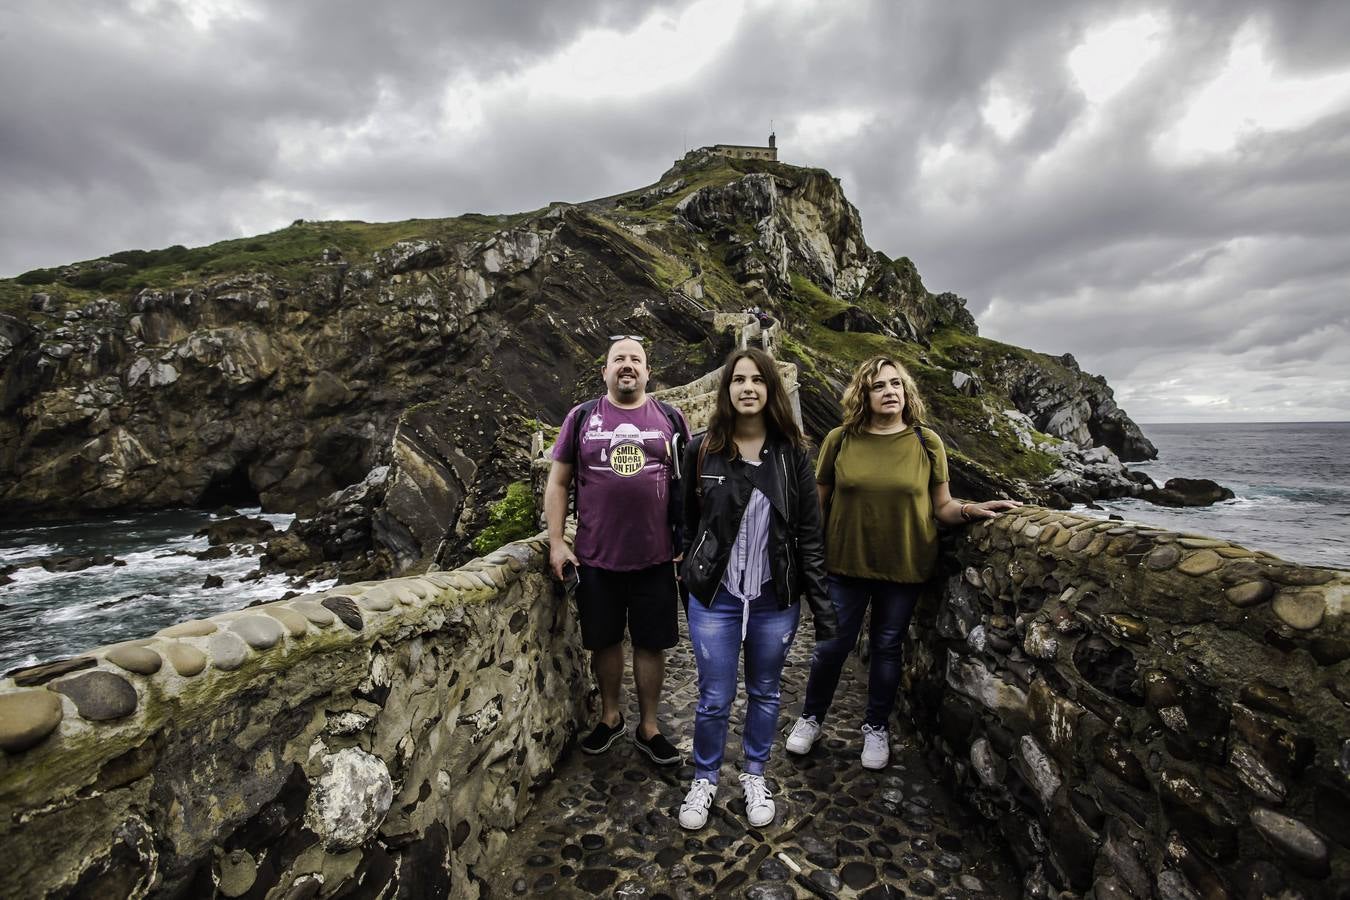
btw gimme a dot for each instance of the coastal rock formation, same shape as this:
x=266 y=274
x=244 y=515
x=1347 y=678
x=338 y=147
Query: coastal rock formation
x=1064 y=401
x=284 y=370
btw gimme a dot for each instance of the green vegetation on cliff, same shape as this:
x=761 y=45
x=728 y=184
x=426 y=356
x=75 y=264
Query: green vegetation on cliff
x=509 y=519
x=289 y=253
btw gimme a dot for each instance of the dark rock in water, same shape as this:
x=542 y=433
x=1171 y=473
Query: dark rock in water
x=225 y=512
x=75 y=563
x=221 y=551
x=213 y=581
x=238 y=530
x=1187 y=492
x=108 y=604
x=1142 y=478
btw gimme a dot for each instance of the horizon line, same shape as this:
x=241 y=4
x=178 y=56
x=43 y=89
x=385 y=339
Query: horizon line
x=1246 y=422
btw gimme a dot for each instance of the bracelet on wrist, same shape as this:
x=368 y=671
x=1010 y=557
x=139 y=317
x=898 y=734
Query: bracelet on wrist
x=965 y=516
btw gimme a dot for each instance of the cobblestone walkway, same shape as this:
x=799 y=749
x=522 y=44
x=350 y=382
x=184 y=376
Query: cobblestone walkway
x=606 y=825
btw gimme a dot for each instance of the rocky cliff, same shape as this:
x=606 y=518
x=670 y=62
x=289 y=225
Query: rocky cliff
x=290 y=367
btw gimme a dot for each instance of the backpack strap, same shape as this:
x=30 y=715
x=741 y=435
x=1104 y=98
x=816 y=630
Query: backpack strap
x=581 y=412
x=679 y=434
x=927 y=448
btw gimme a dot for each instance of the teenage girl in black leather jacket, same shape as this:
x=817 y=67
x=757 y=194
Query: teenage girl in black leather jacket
x=753 y=548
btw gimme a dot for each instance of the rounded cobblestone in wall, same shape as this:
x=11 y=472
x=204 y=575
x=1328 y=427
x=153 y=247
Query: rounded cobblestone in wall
x=238 y=872
x=26 y=718
x=1302 y=610
x=1201 y=562
x=295 y=623
x=1300 y=576
x=314 y=612
x=135 y=659
x=350 y=799
x=376 y=600
x=1293 y=839
x=259 y=632
x=227 y=651
x=185 y=659
x=193 y=628
x=1250 y=593
x=99 y=696
x=345 y=609
x=1080 y=541
x=1163 y=558
x=1118 y=546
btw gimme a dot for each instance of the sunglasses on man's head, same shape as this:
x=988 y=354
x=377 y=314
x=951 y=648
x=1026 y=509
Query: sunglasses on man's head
x=626 y=337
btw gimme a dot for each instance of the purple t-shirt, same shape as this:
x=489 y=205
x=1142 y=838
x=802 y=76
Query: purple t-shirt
x=623 y=485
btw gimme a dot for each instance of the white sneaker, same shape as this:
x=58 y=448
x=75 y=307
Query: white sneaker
x=694 y=810
x=803 y=735
x=759 y=808
x=876 y=747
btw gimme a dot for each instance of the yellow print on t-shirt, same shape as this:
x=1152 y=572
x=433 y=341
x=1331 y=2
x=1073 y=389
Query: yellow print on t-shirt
x=627 y=459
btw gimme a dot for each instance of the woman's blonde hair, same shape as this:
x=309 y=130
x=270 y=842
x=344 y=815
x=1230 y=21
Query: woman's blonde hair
x=857 y=412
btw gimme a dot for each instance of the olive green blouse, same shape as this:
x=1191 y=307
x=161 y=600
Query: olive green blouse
x=880 y=519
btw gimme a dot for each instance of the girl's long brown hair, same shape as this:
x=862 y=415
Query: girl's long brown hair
x=857 y=411
x=778 y=419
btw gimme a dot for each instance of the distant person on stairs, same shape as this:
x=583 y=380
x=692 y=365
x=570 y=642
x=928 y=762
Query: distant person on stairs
x=752 y=550
x=622 y=451
x=882 y=479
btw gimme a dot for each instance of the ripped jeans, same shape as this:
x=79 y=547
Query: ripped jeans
x=715 y=632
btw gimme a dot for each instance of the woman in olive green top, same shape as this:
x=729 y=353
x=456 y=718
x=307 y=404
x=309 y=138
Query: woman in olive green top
x=882 y=480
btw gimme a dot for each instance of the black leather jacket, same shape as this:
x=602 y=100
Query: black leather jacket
x=715 y=497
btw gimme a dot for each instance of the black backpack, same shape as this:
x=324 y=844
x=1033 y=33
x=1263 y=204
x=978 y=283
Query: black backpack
x=679 y=437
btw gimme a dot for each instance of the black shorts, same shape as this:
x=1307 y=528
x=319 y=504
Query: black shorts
x=644 y=600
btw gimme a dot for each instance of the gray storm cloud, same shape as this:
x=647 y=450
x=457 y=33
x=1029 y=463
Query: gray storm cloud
x=1225 y=275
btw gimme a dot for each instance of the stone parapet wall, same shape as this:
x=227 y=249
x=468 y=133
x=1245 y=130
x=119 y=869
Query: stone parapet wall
x=382 y=735
x=1140 y=712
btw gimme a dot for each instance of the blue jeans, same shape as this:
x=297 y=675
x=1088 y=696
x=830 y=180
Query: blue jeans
x=715 y=632
x=892 y=607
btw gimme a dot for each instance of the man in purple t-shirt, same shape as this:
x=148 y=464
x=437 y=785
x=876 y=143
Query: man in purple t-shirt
x=618 y=451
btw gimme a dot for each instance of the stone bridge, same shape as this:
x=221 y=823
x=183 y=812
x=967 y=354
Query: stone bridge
x=1089 y=707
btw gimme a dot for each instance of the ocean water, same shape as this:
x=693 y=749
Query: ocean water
x=1292 y=482
x=1293 y=499
x=46 y=615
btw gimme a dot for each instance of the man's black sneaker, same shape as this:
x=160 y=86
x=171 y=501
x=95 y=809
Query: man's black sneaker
x=658 y=749
x=601 y=737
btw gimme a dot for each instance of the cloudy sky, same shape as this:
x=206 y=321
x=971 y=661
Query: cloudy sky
x=1162 y=189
